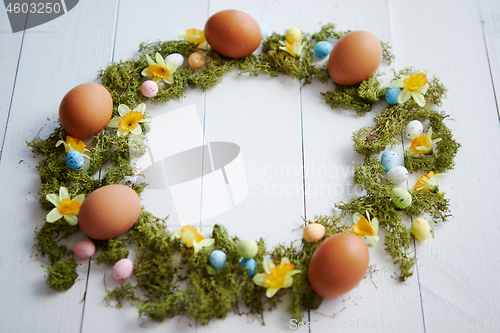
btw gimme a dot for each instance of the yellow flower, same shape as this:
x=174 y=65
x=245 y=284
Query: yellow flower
x=160 y=70
x=428 y=183
x=193 y=36
x=414 y=86
x=423 y=144
x=364 y=227
x=192 y=238
x=65 y=206
x=294 y=49
x=276 y=277
x=128 y=121
x=73 y=143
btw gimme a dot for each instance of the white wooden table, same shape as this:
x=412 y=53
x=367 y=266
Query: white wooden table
x=286 y=132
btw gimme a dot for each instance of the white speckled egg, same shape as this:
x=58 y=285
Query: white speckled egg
x=176 y=58
x=414 y=127
x=398 y=174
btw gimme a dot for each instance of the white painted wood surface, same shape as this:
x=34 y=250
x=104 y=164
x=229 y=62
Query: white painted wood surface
x=286 y=132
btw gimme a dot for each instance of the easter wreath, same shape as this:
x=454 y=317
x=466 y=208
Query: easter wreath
x=163 y=260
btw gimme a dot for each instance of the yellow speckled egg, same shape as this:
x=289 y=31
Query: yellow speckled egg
x=420 y=229
x=233 y=33
x=314 y=232
x=109 y=212
x=293 y=35
x=196 y=60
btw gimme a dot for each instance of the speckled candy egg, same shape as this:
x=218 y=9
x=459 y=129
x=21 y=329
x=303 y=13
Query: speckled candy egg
x=251 y=264
x=391 y=95
x=84 y=249
x=420 y=229
x=398 y=174
x=217 y=259
x=389 y=160
x=74 y=159
x=149 y=88
x=176 y=58
x=233 y=33
x=264 y=30
x=414 y=127
x=123 y=269
x=293 y=35
x=401 y=198
x=314 y=232
x=247 y=249
x=196 y=60
x=322 y=49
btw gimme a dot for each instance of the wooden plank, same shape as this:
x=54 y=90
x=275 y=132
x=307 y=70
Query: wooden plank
x=490 y=17
x=10 y=44
x=453 y=275
x=46 y=72
x=160 y=23
x=331 y=160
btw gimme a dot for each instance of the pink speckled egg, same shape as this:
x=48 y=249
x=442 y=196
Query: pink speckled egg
x=123 y=269
x=84 y=249
x=149 y=88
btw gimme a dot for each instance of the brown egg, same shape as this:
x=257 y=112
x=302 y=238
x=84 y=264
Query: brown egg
x=109 y=212
x=338 y=264
x=354 y=58
x=85 y=110
x=232 y=33
x=196 y=60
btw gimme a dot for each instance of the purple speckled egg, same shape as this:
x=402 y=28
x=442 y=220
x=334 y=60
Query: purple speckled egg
x=123 y=269
x=149 y=88
x=84 y=249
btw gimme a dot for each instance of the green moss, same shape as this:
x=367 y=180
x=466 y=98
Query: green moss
x=47 y=239
x=61 y=275
x=112 y=250
x=359 y=97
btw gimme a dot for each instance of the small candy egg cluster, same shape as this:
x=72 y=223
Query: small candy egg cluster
x=246 y=249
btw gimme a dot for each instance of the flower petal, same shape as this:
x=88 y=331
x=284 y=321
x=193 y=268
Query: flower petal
x=419 y=98
x=150 y=61
x=63 y=193
x=397 y=83
x=259 y=279
x=404 y=96
x=372 y=240
x=123 y=109
x=356 y=217
x=159 y=59
x=268 y=266
x=72 y=220
x=79 y=198
x=270 y=292
x=54 y=199
x=285 y=260
x=53 y=215
x=146 y=72
x=136 y=129
x=172 y=67
x=115 y=122
x=140 y=108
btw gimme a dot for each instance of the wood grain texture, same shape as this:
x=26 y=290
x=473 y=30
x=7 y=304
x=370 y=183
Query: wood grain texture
x=297 y=155
x=455 y=266
x=46 y=72
x=490 y=18
x=10 y=47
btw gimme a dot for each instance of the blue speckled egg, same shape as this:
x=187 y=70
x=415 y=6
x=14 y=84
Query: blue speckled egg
x=389 y=160
x=323 y=49
x=251 y=264
x=217 y=259
x=391 y=95
x=264 y=30
x=74 y=159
